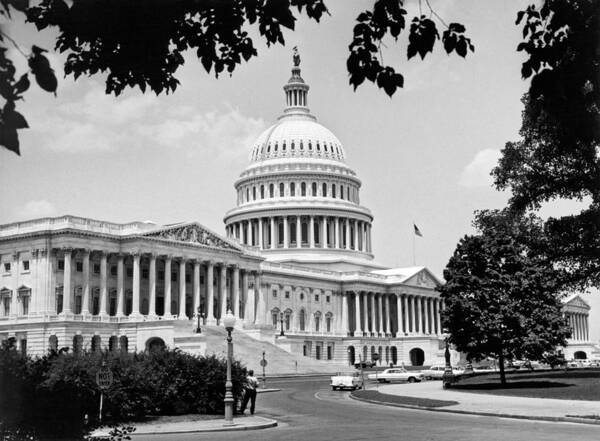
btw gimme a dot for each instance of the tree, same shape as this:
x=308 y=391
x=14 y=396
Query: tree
x=502 y=293
x=139 y=43
x=558 y=155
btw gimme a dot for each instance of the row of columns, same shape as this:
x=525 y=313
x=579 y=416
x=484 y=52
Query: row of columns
x=414 y=314
x=276 y=232
x=248 y=299
x=578 y=323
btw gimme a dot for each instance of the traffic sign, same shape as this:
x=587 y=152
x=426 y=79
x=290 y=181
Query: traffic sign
x=104 y=378
x=263 y=362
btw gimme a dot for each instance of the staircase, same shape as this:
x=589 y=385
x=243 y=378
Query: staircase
x=249 y=351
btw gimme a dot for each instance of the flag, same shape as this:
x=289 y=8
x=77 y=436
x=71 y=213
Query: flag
x=417 y=231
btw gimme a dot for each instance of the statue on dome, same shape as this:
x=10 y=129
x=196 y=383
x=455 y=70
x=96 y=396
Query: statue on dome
x=296 y=56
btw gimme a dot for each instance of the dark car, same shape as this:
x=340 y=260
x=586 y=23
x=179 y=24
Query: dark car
x=365 y=364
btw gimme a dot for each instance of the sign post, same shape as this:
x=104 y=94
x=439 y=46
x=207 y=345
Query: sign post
x=375 y=357
x=104 y=379
x=264 y=363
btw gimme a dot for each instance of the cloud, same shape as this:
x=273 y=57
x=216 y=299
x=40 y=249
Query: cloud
x=35 y=209
x=477 y=172
x=100 y=122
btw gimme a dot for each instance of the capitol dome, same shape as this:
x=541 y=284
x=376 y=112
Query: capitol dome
x=298 y=200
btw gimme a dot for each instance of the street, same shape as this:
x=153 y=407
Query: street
x=308 y=409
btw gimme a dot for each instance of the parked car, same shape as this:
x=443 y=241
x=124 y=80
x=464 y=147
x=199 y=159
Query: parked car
x=397 y=374
x=365 y=364
x=436 y=372
x=342 y=380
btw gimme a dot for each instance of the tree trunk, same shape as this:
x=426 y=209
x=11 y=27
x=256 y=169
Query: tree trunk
x=502 y=373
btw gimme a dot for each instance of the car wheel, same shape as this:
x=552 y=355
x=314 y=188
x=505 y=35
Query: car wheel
x=333 y=388
x=412 y=379
x=428 y=378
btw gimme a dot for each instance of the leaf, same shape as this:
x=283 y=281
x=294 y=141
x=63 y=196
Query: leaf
x=9 y=138
x=15 y=120
x=520 y=15
x=44 y=74
x=22 y=85
x=461 y=47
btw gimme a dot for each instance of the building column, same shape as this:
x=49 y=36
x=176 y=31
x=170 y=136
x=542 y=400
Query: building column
x=298 y=232
x=235 y=292
x=379 y=313
x=120 y=286
x=413 y=313
x=344 y=322
x=135 y=304
x=286 y=232
x=248 y=300
x=103 y=284
x=152 y=286
x=324 y=228
x=336 y=233
x=85 y=301
x=196 y=288
x=355 y=235
x=272 y=232
x=182 y=315
x=427 y=315
x=311 y=232
x=357 y=327
x=167 y=297
x=67 y=309
x=399 y=312
x=222 y=291
x=210 y=293
x=365 y=297
x=388 y=329
x=434 y=315
x=347 y=222
x=260 y=233
x=261 y=307
x=373 y=313
x=250 y=232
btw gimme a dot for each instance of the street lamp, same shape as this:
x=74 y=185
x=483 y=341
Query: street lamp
x=229 y=323
x=448 y=375
x=198 y=315
x=281 y=320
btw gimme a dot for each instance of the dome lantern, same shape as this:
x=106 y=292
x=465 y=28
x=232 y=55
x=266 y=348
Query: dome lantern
x=296 y=90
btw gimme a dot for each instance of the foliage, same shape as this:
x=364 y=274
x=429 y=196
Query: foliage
x=57 y=395
x=501 y=293
x=558 y=153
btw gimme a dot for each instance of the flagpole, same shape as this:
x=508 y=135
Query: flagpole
x=414 y=235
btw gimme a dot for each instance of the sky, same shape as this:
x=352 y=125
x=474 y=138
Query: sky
x=424 y=156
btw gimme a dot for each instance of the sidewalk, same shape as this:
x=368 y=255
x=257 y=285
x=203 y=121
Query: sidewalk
x=250 y=422
x=493 y=405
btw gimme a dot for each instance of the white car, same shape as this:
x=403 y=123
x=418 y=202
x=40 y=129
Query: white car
x=436 y=372
x=343 y=380
x=396 y=374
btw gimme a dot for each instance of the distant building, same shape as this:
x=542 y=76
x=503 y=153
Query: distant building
x=577 y=311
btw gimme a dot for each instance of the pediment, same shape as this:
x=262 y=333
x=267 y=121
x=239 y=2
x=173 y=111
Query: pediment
x=423 y=279
x=578 y=302
x=192 y=234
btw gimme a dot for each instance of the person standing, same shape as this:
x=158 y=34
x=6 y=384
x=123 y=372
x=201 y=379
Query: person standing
x=249 y=392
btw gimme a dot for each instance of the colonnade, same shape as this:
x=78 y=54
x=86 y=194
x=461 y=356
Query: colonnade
x=371 y=314
x=579 y=325
x=276 y=232
x=228 y=290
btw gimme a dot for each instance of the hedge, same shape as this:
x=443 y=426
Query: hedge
x=56 y=395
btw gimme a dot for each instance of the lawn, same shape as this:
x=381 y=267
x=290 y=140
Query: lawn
x=397 y=399
x=580 y=384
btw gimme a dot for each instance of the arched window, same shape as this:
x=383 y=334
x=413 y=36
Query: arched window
x=324 y=190
x=317 y=321
x=328 y=321
x=78 y=300
x=247 y=194
x=280 y=233
x=309 y=145
x=262 y=191
x=318 y=147
x=281 y=190
x=275 y=316
x=124 y=343
x=283 y=147
x=293 y=232
x=288 y=315
x=317 y=233
x=292 y=189
x=314 y=189
x=113 y=343
x=77 y=344
x=348 y=193
x=95 y=301
x=333 y=191
x=304 y=232
x=301 y=145
x=303 y=189
x=293 y=145
x=271 y=190
x=53 y=343
x=341 y=192
x=276 y=146
x=96 y=343
x=253 y=193
x=302 y=319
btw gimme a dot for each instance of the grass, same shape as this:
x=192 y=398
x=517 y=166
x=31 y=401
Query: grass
x=397 y=399
x=582 y=384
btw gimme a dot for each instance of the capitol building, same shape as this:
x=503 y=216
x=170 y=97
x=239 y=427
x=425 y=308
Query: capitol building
x=295 y=266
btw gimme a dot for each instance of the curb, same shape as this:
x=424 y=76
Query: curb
x=489 y=414
x=264 y=391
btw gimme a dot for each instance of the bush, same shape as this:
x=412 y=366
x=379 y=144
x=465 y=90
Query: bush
x=57 y=395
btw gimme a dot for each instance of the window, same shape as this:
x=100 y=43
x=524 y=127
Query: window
x=328 y=318
x=317 y=322
x=253 y=193
x=333 y=191
x=188 y=278
x=341 y=192
x=24 y=295
x=316 y=297
x=314 y=189
x=301 y=296
x=247 y=194
x=129 y=272
x=292 y=189
x=281 y=190
x=61 y=264
x=79 y=267
x=96 y=268
x=303 y=189
x=348 y=193
x=324 y=190
x=262 y=191
x=287 y=295
x=275 y=317
x=302 y=319
x=274 y=293
x=161 y=275
x=271 y=190
x=173 y=276
x=202 y=280
x=6 y=304
x=327 y=299
x=329 y=352
x=113 y=270
x=6 y=267
x=145 y=273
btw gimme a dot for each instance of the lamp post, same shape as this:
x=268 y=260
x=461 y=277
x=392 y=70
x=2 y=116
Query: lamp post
x=198 y=315
x=448 y=375
x=281 y=334
x=229 y=323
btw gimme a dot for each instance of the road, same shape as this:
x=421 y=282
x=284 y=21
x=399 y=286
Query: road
x=307 y=409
